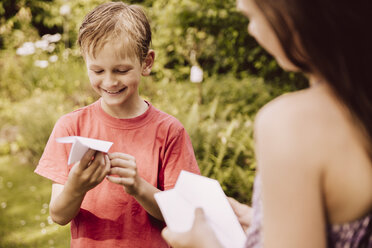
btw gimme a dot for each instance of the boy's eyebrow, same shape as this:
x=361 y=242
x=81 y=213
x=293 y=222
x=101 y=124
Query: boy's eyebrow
x=118 y=65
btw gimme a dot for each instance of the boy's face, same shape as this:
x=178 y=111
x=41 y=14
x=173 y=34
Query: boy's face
x=114 y=78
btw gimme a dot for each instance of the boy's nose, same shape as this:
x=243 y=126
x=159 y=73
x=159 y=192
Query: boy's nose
x=110 y=80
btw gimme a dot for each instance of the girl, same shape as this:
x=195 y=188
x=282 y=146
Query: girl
x=313 y=147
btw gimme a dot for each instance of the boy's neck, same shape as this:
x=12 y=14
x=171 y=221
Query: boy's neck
x=130 y=110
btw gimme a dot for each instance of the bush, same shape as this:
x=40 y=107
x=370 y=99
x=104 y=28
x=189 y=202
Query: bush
x=212 y=30
x=216 y=33
x=33 y=98
x=33 y=120
x=221 y=129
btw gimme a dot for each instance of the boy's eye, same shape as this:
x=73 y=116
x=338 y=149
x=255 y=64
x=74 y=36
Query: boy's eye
x=98 y=71
x=122 y=71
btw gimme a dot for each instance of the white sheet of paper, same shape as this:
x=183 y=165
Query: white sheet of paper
x=80 y=146
x=191 y=191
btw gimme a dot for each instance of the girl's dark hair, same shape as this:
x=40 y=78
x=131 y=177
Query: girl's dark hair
x=333 y=39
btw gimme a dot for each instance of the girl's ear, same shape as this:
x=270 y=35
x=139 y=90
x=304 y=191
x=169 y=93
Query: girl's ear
x=148 y=63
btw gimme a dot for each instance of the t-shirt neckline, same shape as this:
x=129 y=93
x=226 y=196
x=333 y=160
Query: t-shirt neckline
x=129 y=123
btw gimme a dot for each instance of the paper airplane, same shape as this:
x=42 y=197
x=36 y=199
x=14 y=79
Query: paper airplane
x=191 y=191
x=80 y=146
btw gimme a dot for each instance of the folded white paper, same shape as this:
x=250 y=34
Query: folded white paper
x=191 y=191
x=80 y=146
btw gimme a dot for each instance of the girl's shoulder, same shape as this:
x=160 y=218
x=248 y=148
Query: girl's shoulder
x=302 y=124
x=303 y=110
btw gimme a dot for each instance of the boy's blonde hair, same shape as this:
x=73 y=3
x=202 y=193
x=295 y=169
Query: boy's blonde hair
x=117 y=22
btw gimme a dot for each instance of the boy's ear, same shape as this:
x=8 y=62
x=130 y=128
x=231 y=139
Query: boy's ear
x=148 y=63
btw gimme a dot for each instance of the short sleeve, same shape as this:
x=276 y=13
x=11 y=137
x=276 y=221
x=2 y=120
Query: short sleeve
x=53 y=162
x=179 y=155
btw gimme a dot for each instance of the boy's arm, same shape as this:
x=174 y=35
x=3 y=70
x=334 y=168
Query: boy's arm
x=64 y=205
x=145 y=197
x=66 y=199
x=124 y=166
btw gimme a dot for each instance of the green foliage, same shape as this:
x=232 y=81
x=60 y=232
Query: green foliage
x=216 y=32
x=24 y=209
x=25 y=20
x=221 y=129
x=15 y=24
x=33 y=98
x=213 y=30
x=35 y=117
x=20 y=76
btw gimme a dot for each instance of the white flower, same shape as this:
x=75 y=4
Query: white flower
x=41 y=63
x=51 y=47
x=54 y=37
x=50 y=221
x=196 y=74
x=26 y=49
x=45 y=36
x=43 y=44
x=65 y=10
x=53 y=58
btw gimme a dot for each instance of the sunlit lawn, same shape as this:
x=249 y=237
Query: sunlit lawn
x=24 y=213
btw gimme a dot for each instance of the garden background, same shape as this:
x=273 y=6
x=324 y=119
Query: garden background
x=42 y=76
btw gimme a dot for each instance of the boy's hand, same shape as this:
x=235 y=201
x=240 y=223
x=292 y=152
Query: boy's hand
x=88 y=172
x=125 y=167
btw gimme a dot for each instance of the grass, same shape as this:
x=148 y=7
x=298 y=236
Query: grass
x=24 y=213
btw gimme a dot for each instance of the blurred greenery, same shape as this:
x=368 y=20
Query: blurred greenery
x=43 y=76
x=24 y=213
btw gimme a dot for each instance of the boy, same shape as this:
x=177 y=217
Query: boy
x=109 y=197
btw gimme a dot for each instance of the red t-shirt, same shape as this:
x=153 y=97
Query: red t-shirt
x=109 y=217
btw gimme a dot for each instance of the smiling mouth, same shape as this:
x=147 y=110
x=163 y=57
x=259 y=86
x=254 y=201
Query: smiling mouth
x=114 y=92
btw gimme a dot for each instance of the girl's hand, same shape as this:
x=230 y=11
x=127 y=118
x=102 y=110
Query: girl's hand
x=88 y=172
x=201 y=234
x=125 y=167
x=242 y=211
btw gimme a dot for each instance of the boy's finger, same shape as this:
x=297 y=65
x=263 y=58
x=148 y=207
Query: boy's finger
x=121 y=180
x=122 y=172
x=123 y=163
x=107 y=162
x=97 y=162
x=87 y=158
x=105 y=169
x=121 y=155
